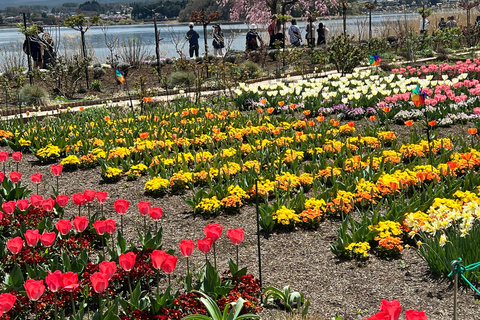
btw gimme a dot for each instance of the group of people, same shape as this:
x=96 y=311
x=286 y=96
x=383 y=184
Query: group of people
x=218 y=40
x=450 y=23
x=41 y=49
x=255 y=42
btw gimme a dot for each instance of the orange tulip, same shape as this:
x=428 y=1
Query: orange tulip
x=107 y=118
x=432 y=123
x=299 y=133
x=270 y=110
x=311 y=123
x=467 y=156
x=224 y=112
x=335 y=123
x=472 y=131
x=408 y=123
x=306 y=112
x=293 y=106
x=263 y=101
x=194 y=111
x=209 y=115
x=147 y=99
x=260 y=110
x=351 y=124
x=143 y=135
x=320 y=118
x=185 y=113
x=281 y=103
x=386 y=109
x=373 y=118
x=82 y=108
x=276 y=131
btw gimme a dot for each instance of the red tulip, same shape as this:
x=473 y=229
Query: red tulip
x=70 y=281
x=48 y=238
x=415 y=315
x=17 y=156
x=186 y=247
x=155 y=213
x=36 y=177
x=48 y=204
x=127 y=261
x=393 y=308
x=170 y=264
x=80 y=223
x=56 y=169
x=7 y=300
x=3 y=156
x=101 y=196
x=62 y=200
x=204 y=245
x=100 y=226
x=213 y=231
x=32 y=237
x=34 y=288
x=79 y=199
x=15 y=245
x=54 y=280
x=63 y=226
x=121 y=206
x=2 y=176
x=111 y=224
x=23 y=204
x=158 y=258
x=109 y=268
x=36 y=200
x=15 y=176
x=89 y=195
x=380 y=316
x=9 y=207
x=99 y=282
x=236 y=235
x=1 y=215
x=144 y=207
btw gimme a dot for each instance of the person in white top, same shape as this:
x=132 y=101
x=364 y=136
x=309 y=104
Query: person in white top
x=424 y=23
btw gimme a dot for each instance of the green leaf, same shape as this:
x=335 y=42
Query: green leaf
x=14 y=280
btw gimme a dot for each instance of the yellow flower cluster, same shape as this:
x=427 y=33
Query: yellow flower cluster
x=50 y=152
x=292 y=155
x=227 y=153
x=237 y=191
x=204 y=156
x=137 y=171
x=24 y=143
x=358 y=249
x=386 y=229
x=6 y=134
x=285 y=216
x=99 y=153
x=232 y=201
x=287 y=181
x=230 y=168
x=346 y=129
x=157 y=184
x=112 y=172
x=209 y=205
x=71 y=161
x=248 y=165
x=387 y=136
x=120 y=152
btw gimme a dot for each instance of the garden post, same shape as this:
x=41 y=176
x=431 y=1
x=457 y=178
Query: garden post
x=455 y=264
x=258 y=239
x=27 y=38
x=159 y=69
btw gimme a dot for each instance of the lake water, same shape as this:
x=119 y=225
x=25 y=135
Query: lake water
x=174 y=34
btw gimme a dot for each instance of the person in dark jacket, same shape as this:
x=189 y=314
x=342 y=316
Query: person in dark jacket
x=218 y=40
x=253 y=39
x=192 y=37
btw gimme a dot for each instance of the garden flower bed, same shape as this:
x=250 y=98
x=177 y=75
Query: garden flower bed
x=352 y=176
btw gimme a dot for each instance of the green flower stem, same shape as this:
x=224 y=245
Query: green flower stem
x=58 y=192
x=169 y=276
x=56 y=307
x=188 y=267
x=121 y=222
x=73 y=303
x=236 y=247
x=129 y=284
x=158 y=283
x=100 y=309
x=145 y=225
x=35 y=304
x=214 y=256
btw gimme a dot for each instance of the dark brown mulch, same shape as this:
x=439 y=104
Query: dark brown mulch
x=301 y=259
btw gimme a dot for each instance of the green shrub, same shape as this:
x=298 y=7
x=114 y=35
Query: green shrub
x=345 y=55
x=249 y=70
x=181 y=79
x=98 y=72
x=96 y=85
x=32 y=95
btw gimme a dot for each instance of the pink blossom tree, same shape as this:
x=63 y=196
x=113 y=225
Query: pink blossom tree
x=260 y=11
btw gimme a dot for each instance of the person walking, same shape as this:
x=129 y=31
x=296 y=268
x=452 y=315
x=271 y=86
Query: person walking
x=218 y=41
x=36 y=50
x=279 y=41
x=424 y=23
x=442 y=24
x=192 y=37
x=294 y=34
x=271 y=31
x=253 y=39
x=451 y=23
x=49 y=54
x=322 y=33
x=310 y=36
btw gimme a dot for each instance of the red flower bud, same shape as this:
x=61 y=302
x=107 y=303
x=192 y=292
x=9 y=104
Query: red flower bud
x=48 y=238
x=109 y=268
x=48 y=204
x=204 y=245
x=36 y=177
x=99 y=282
x=110 y=224
x=56 y=169
x=15 y=245
x=155 y=213
x=63 y=226
x=170 y=264
x=144 y=207
x=15 y=176
x=62 y=200
x=89 y=195
x=70 y=281
x=80 y=223
x=101 y=196
x=17 y=156
x=121 y=206
x=186 y=247
x=236 y=235
x=23 y=204
x=3 y=156
x=213 y=231
x=127 y=261
x=7 y=300
x=34 y=288
x=100 y=226
x=9 y=207
x=32 y=237
x=36 y=200
x=158 y=258
x=79 y=199
x=54 y=280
